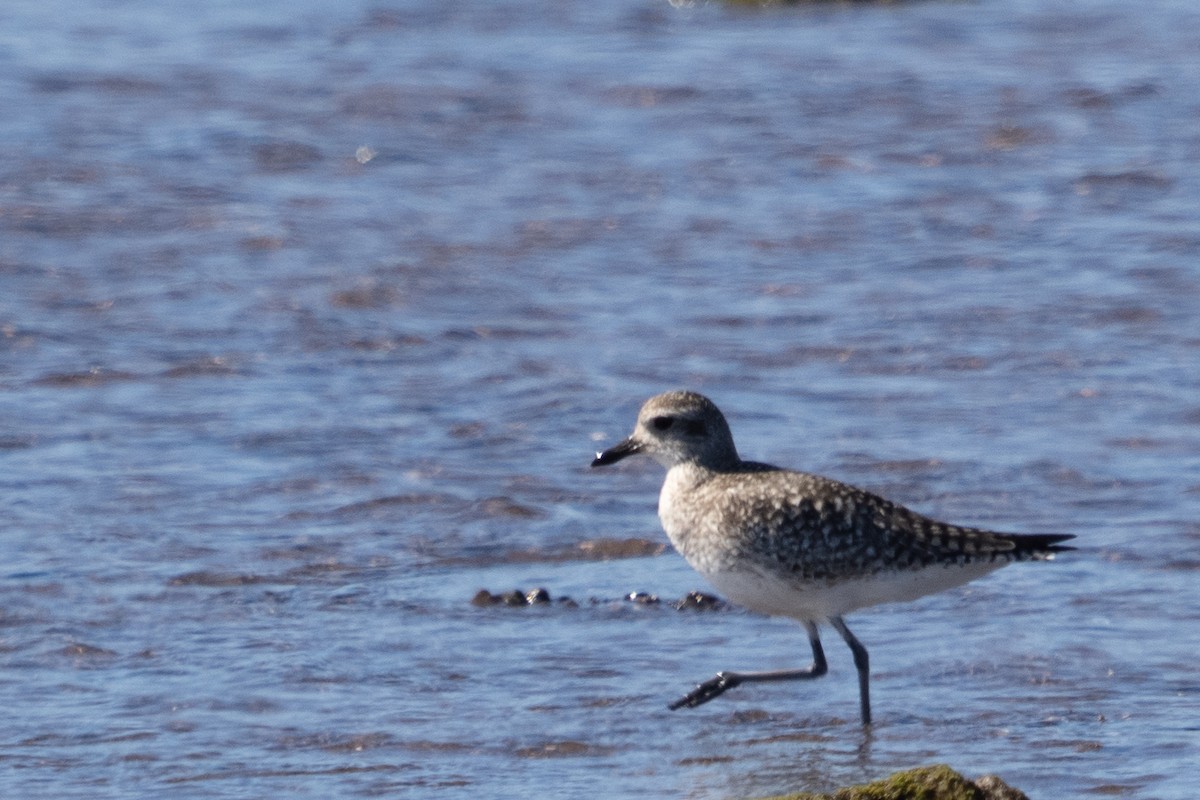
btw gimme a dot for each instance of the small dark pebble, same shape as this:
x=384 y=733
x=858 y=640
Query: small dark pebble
x=483 y=598
x=514 y=598
x=699 y=601
x=694 y=601
x=517 y=597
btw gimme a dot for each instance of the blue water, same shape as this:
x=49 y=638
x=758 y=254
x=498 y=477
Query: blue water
x=312 y=316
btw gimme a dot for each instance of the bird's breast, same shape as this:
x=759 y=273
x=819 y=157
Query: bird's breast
x=691 y=509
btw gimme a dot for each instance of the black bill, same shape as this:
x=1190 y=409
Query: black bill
x=615 y=453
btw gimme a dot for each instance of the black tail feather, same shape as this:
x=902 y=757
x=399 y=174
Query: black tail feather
x=1039 y=543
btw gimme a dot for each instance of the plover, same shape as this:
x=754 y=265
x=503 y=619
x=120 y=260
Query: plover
x=797 y=545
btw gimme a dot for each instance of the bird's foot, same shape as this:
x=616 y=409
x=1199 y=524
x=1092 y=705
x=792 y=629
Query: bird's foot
x=710 y=689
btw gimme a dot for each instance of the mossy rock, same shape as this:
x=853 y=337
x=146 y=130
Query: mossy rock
x=770 y=3
x=938 y=782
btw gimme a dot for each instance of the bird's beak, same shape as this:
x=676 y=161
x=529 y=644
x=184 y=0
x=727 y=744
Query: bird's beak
x=615 y=453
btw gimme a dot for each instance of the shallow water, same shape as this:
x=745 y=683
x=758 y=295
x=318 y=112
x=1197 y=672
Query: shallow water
x=312 y=316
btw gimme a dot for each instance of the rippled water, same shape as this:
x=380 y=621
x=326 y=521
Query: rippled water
x=313 y=314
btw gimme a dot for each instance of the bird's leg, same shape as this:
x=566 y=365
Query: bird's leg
x=715 y=687
x=861 y=662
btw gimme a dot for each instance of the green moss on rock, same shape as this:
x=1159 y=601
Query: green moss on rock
x=937 y=782
x=770 y=3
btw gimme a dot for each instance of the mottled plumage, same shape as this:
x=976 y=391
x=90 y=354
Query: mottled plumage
x=799 y=545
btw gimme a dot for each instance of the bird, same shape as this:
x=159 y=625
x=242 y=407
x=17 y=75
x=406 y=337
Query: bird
x=794 y=544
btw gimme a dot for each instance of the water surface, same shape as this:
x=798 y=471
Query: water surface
x=311 y=318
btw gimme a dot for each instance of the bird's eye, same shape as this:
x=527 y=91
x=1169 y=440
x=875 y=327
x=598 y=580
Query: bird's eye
x=662 y=423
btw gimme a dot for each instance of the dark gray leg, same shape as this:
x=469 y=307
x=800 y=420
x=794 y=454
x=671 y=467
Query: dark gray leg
x=862 y=663
x=715 y=687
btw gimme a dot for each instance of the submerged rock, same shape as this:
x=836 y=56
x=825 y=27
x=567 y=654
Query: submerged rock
x=518 y=597
x=607 y=549
x=483 y=598
x=693 y=601
x=536 y=597
x=699 y=601
x=514 y=598
x=937 y=782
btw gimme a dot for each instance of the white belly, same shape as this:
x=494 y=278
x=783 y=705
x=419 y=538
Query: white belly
x=820 y=600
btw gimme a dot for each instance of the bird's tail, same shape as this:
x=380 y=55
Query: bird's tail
x=1039 y=546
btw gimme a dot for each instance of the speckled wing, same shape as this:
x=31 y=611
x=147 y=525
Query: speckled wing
x=817 y=528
